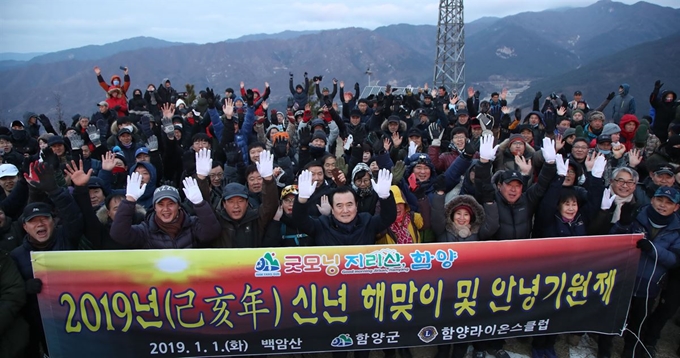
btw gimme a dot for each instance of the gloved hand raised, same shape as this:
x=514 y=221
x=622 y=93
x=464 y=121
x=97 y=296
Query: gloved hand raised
x=94 y=135
x=562 y=165
x=305 y=186
x=265 y=166
x=598 y=167
x=486 y=149
x=203 y=162
x=549 y=153
x=191 y=190
x=607 y=199
x=135 y=189
x=382 y=186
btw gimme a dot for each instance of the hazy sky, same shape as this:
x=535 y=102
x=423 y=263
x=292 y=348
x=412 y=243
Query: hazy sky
x=46 y=26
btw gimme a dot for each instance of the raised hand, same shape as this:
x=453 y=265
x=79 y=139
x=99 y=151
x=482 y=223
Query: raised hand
x=599 y=166
x=523 y=164
x=325 y=207
x=559 y=143
x=487 y=152
x=412 y=148
x=265 y=166
x=634 y=157
x=135 y=189
x=152 y=143
x=168 y=128
x=78 y=176
x=108 y=161
x=168 y=110
x=305 y=186
x=549 y=152
x=203 y=163
x=562 y=165
x=382 y=186
x=42 y=177
x=97 y=70
x=94 y=135
x=210 y=97
x=396 y=139
x=191 y=190
x=471 y=92
x=436 y=133
x=76 y=142
x=561 y=111
x=607 y=199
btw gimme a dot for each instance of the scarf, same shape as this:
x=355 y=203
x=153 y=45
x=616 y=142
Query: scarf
x=40 y=246
x=118 y=170
x=400 y=230
x=172 y=228
x=657 y=220
x=618 y=202
x=462 y=231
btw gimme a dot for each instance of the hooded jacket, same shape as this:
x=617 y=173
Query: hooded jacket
x=442 y=219
x=629 y=137
x=367 y=200
x=137 y=102
x=665 y=112
x=622 y=104
x=414 y=227
x=302 y=97
x=123 y=85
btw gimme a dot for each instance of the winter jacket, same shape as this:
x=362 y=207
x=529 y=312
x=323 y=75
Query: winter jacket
x=414 y=227
x=622 y=104
x=667 y=248
x=480 y=226
x=285 y=233
x=165 y=94
x=249 y=231
x=516 y=219
x=121 y=103
x=327 y=231
x=629 y=137
x=196 y=231
x=123 y=85
x=665 y=112
x=302 y=97
x=13 y=328
x=11 y=234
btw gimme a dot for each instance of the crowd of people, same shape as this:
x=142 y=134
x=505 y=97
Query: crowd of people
x=399 y=167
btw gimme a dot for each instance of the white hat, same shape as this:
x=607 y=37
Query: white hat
x=8 y=170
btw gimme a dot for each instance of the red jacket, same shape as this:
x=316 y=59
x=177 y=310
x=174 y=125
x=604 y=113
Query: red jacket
x=113 y=101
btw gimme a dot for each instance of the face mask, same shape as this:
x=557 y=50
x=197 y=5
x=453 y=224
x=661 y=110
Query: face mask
x=116 y=83
x=151 y=89
x=605 y=152
x=669 y=99
x=19 y=134
x=128 y=127
x=316 y=151
x=178 y=125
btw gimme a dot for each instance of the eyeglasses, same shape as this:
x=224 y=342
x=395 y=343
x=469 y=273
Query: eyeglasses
x=459 y=137
x=581 y=147
x=624 y=182
x=362 y=181
x=217 y=176
x=289 y=200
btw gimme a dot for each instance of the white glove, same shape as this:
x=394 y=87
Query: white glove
x=548 y=150
x=325 y=207
x=412 y=147
x=135 y=188
x=305 y=186
x=266 y=164
x=382 y=187
x=191 y=190
x=486 y=149
x=562 y=165
x=203 y=162
x=348 y=143
x=598 y=167
x=607 y=199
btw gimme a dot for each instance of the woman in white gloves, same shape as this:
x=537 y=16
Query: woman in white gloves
x=168 y=226
x=345 y=225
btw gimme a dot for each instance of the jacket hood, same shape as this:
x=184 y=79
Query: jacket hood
x=539 y=114
x=626 y=89
x=27 y=116
x=667 y=92
x=359 y=167
x=504 y=147
x=151 y=185
x=116 y=77
x=103 y=215
x=470 y=201
x=402 y=126
x=627 y=118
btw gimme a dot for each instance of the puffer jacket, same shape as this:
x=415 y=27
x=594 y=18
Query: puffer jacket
x=14 y=331
x=665 y=112
x=622 y=104
x=196 y=230
x=442 y=219
x=667 y=245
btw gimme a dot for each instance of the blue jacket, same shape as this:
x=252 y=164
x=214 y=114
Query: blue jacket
x=622 y=104
x=667 y=244
x=146 y=200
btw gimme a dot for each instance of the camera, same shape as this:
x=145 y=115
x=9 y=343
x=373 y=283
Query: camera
x=553 y=95
x=317 y=78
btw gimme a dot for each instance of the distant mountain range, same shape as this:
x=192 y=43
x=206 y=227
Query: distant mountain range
x=552 y=50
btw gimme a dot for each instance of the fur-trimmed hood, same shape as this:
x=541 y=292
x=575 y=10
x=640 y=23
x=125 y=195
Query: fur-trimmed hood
x=402 y=126
x=103 y=215
x=470 y=201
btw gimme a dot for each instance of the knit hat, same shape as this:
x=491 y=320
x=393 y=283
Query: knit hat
x=595 y=115
x=641 y=136
x=165 y=192
x=320 y=135
x=515 y=138
x=577 y=111
x=611 y=128
x=569 y=132
x=466 y=208
x=580 y=133
x=278 y=136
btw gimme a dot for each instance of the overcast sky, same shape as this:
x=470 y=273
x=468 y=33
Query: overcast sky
x=47 y=26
